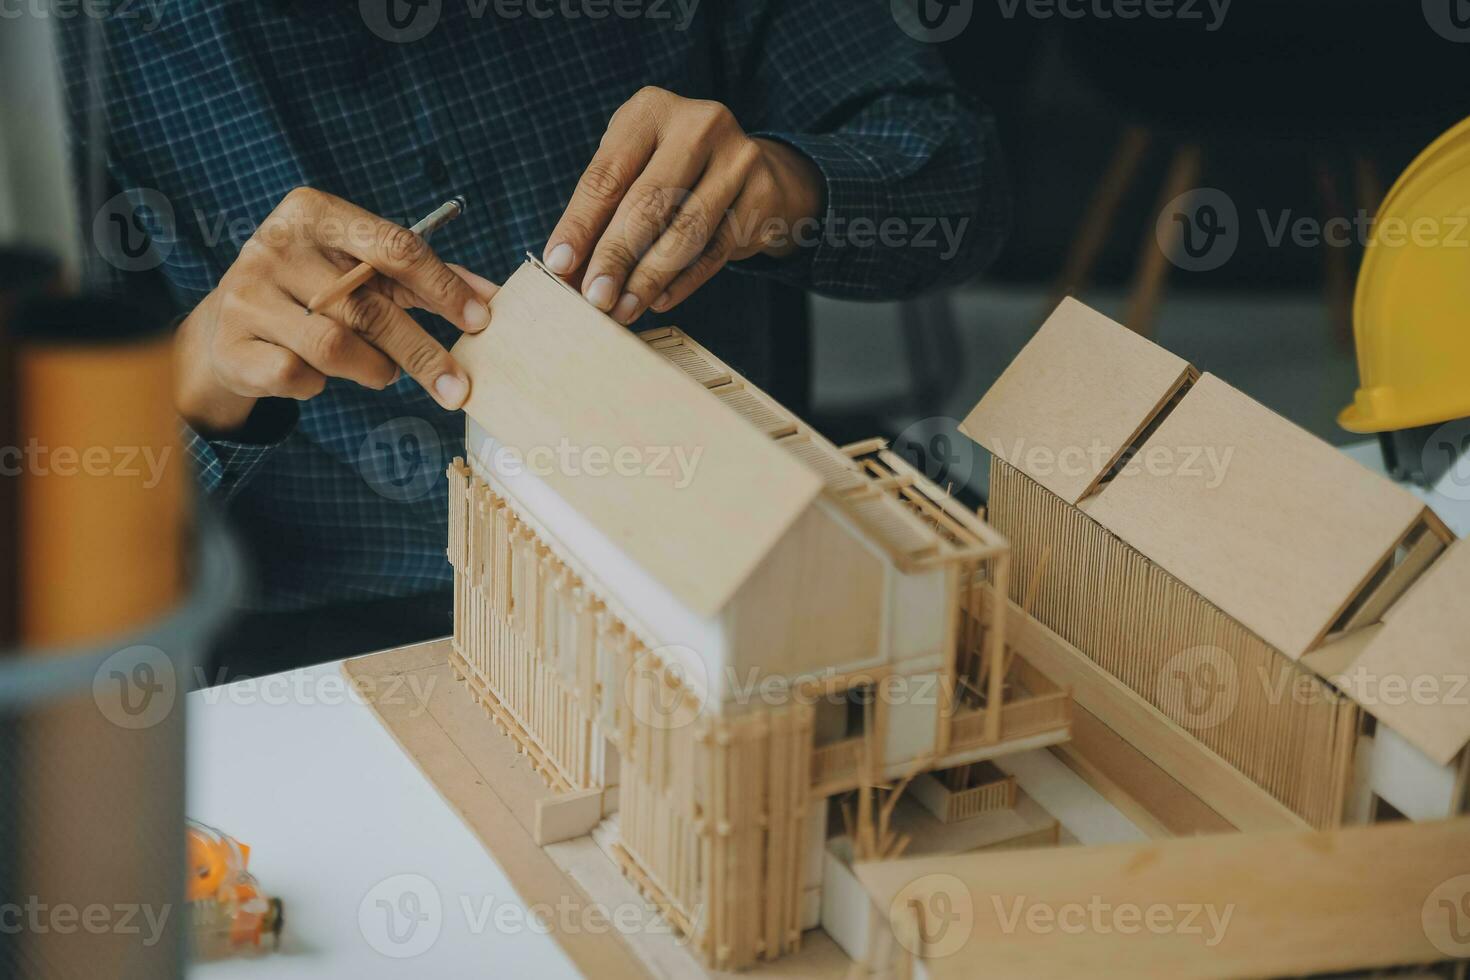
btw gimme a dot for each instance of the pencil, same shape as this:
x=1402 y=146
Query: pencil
x=364 y=272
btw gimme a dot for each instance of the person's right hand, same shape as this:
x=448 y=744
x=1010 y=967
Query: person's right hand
x=251 y=337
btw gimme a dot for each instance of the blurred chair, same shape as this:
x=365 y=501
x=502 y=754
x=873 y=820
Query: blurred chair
x=1307 y=72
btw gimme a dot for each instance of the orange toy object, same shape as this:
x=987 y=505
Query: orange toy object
x=228 y=911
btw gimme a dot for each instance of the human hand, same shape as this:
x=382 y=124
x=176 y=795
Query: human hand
x=251 y=337
x=676 y=190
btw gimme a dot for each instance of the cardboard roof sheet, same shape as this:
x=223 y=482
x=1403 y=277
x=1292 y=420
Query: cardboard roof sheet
x=1412 y=675
x=1268 y=904
x=552 y=371
x=1271 y=524
x=1078 y=394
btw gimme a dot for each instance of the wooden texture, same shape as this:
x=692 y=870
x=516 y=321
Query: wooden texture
x=1134 y=783
x=1340 y=651
x=1299 y=903
x=1155 y=257
x=1420 y=550
x=497 y=792
x=1283 y=541
x=482 y=779
x=1413 y=674
x=551 y=370
x=1074 y=398
x=567 y=815
x=1173 y=749
x=1270 y=719
x=815 y=602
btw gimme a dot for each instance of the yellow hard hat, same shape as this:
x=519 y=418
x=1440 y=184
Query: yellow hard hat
x=1411 y=314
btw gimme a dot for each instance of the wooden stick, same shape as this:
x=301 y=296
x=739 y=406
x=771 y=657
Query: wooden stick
x=363 y=273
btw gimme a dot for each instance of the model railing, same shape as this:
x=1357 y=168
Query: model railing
x=835 y=767
x=967 y=803
x=1018 y=719
x=837 y=762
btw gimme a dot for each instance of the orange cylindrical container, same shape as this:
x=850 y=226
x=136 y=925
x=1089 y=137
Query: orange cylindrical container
x=22 y=273
x=102 y=478
x=97 y=766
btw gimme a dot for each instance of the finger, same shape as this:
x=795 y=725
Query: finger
x=627 y=146
x=483 y=287
x=326 y=344
x=385 y=325
x=410 y=300
x=260 y=369
x=688 y=235
x=395 y=252
x=641 y=219
x=249 y=365
x=714 y=258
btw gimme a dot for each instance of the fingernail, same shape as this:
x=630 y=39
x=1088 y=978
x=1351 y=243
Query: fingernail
x=602 y=292
x=452 y=390
x=560 y=260
x=663 y=301
x=625 y=309
x=476 y=316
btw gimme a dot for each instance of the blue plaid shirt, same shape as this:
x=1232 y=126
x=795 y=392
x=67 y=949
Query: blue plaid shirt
x=214 y=109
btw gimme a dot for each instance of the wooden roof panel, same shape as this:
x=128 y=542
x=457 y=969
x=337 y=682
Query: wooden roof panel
x=1290 y=903
x=1271 y=524
x=1075 y=397
x=551 y=369
x=1413 y=673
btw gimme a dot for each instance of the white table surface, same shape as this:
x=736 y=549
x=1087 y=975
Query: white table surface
x=338 y=819
x=345 y=828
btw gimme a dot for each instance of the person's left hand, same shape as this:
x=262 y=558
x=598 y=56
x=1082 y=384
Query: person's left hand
x=674 y=192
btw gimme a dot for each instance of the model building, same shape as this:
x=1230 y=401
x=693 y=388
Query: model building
x=1268 y=605
x=754 y=665
x=712 y=652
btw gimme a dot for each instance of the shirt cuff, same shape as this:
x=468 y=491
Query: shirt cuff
x=223 y=466
x=857 y=204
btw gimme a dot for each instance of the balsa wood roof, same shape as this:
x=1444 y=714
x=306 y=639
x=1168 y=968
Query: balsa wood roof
x=1275 y=527
x=1074 y=398
x=901 y=512
x=1280 y=530
x=551 y=370
x=1234 y=905
x=1413 y=672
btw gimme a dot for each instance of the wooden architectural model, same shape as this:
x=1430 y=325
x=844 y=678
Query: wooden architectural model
x=772 y=676
x=714 y=652
x=1235 y=598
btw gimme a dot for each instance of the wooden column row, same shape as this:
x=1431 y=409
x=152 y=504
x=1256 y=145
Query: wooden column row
x=1276 y=722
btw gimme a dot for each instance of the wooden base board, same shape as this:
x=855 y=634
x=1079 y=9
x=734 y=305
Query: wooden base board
x=1133 y=783
x=1221 y=786
x=493 y=788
